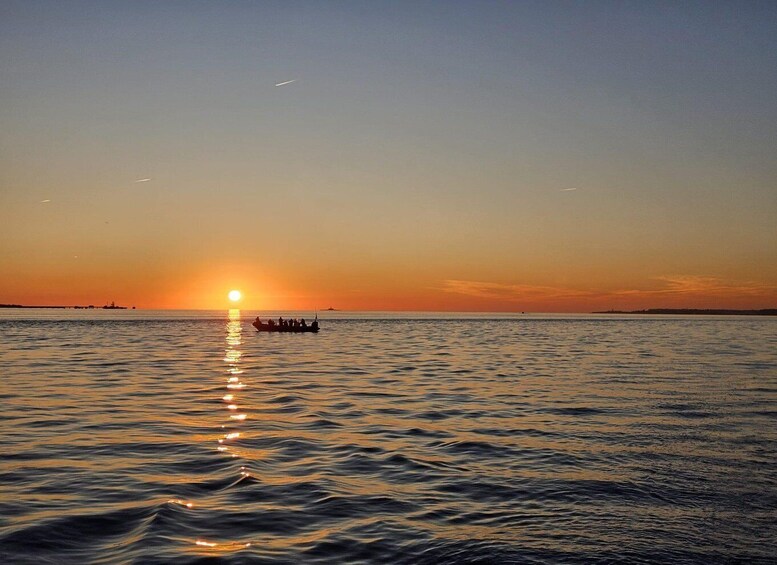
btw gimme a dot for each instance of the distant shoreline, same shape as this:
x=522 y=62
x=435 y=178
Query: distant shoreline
x=696 y=312
x=90 y=307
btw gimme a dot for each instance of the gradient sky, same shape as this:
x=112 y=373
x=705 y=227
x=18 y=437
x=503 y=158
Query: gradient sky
x=424 y=158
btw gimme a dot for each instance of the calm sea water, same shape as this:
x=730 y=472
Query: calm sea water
x=155 y=437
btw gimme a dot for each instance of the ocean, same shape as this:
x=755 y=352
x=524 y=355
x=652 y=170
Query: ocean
x=186 y=437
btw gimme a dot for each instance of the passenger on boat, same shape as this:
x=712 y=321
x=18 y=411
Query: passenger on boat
x=314 y=325
x=302 y=323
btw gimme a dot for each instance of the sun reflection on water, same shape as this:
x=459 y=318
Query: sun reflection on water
x=232 y=356
x=230 y=400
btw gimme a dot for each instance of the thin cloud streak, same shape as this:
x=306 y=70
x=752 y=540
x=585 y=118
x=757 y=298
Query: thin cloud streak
x=286 y=82
x=511 y=292
x=44 y=201
x=568 y=189
x=673 y=288
x=142 y=180
x=708 y=286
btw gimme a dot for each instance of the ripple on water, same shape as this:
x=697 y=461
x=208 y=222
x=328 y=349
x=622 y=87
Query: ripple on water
x=528 y=440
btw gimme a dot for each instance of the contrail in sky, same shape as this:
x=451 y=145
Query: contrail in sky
x=286 y=82
x=142 y=180
x=43 y=201
x=568 y=189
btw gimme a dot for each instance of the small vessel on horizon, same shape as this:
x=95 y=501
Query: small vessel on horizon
x=112 y=306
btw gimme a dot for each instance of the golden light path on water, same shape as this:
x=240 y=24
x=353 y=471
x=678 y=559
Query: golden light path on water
x=233 y=384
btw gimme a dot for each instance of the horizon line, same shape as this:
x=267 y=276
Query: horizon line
x=406 y=311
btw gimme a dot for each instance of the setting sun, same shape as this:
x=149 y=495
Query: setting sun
x=234 y=295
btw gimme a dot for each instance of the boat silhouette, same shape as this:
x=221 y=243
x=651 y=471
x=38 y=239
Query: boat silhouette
x=283 y=326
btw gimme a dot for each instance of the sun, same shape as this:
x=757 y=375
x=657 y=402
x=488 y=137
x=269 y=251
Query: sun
x=234 y=295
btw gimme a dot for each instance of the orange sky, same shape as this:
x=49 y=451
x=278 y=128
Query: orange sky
x=427 y=158
x=364 y=288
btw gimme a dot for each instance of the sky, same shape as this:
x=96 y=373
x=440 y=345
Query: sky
x=458 y=156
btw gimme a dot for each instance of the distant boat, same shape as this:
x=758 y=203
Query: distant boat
x=113 y=306
x=274 y=327
x=330 y=309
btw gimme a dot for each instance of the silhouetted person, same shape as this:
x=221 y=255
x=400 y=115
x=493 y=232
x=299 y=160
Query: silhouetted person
x=302 y=323
x=314 y=325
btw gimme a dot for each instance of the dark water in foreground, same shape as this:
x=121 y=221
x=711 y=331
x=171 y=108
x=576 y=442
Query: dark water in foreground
x=532 y=440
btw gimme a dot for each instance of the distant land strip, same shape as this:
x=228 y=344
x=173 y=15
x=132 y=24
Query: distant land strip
x=90 y=307
x=692 y=311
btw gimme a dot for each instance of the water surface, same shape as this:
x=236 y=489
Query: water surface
x=157 y=437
